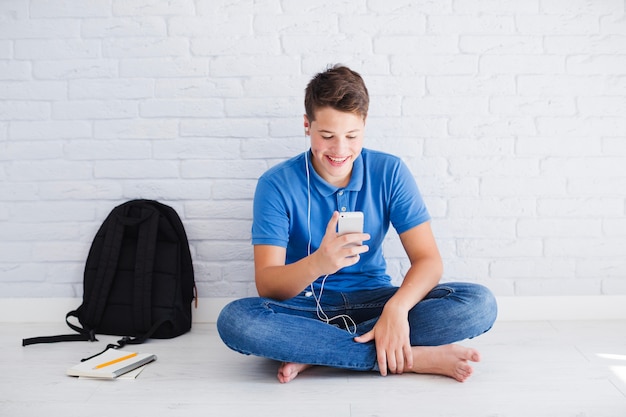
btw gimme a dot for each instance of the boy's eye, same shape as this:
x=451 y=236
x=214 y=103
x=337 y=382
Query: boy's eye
x=330 y=137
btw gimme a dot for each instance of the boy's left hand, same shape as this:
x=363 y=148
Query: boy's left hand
x=393 y=346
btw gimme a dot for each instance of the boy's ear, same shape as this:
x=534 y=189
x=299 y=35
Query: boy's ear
x=307 y=125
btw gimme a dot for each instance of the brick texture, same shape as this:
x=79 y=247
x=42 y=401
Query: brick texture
x=510 y=114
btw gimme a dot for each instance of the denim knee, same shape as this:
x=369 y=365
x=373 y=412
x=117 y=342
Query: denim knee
x=486 y=306
x=229 y=323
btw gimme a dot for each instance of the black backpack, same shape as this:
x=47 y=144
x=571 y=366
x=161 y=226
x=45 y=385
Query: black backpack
x=138 y=279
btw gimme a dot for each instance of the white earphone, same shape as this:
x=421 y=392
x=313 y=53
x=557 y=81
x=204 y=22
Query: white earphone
x=348 y=322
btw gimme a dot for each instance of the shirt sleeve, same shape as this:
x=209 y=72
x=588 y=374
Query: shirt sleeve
x=270 y=225
x=407 y=208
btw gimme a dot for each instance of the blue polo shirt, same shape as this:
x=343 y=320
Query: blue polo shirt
x=381 y=186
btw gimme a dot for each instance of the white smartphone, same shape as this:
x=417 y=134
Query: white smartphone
x=350 y=222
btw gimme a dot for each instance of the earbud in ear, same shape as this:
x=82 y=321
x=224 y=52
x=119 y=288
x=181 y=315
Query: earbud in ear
x=307 y=129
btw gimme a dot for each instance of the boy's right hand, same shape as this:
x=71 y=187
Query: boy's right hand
x=336 y=252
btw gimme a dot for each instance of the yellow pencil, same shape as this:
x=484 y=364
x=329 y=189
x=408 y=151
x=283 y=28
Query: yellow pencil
x=123 y=358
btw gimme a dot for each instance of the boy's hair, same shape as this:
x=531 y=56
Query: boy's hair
x=339 y=88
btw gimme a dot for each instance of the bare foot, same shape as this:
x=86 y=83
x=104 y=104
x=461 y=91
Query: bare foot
x=290 y=370
x=448 y=360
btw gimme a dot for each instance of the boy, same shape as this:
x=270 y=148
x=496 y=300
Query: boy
x=326 y=299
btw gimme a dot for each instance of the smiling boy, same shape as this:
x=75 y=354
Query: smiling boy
x=322 y=299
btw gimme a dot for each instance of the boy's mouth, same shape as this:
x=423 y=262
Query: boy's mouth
x=337 y=161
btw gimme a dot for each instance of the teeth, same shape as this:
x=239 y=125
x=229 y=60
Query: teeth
x=337 y=159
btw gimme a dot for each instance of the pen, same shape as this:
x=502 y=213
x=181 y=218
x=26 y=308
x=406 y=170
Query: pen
x=123 y=358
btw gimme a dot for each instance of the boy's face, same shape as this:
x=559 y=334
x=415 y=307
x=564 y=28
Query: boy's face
x=336 y=142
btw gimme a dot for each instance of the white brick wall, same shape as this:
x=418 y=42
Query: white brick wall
x=511 y=114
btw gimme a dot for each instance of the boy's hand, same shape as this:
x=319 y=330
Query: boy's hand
x=393 y=346
x=336 y=252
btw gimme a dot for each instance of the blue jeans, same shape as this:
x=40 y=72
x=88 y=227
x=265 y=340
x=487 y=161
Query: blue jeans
x=290 y=331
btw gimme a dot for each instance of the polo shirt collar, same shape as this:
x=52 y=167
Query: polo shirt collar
x=326 y=189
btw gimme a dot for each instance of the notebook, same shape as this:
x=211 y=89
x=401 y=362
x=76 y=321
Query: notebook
x=111 y=364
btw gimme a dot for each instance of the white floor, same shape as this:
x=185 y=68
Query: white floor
x=529 y=369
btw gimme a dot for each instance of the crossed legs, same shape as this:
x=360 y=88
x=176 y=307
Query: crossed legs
x=291 y=333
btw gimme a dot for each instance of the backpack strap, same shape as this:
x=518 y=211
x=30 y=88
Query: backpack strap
x=55 y=339
x=82 y=336
x=144 y=266
x=106 y=271
x=137 y=340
